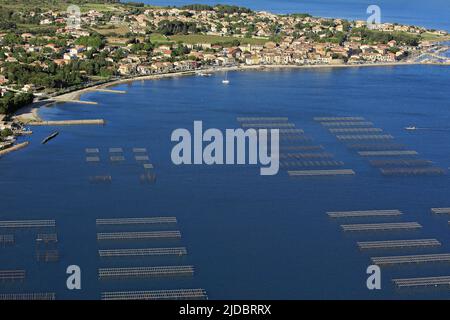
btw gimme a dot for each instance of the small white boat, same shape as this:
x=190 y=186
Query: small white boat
x=226 y=81
x=204 y=74
x=411 y=128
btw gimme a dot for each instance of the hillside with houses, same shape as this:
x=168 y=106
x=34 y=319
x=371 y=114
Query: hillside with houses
x=46 y=50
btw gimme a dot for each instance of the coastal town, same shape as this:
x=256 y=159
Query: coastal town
x=46 y=52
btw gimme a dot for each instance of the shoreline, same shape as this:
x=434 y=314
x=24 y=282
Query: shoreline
x=30 y=113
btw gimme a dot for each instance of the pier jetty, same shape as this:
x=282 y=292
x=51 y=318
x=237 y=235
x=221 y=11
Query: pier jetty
x=312 y=173
x=28 y=296
x=145 y=272
x=388 y=153
x=109 y=90
x=381 y=226
x=367 y=213
x=423 y=258
x=440 y=210
x=59 y=99
x=423 y=282
x=139 y=235
x=143 y=252
x=28 y=224
x=14 y=148
x=413 y=171
x=68 y=122
x=322 y=119
x=177 y=294
x=136 y=221
x=396 y=244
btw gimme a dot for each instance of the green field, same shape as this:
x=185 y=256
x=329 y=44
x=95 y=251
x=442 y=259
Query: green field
x=434 y=37
x=200 y=38
x=158 y=38
x=119 y=30
x=59 y=5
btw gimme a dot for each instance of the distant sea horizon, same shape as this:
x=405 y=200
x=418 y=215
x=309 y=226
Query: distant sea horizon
x=433 y=14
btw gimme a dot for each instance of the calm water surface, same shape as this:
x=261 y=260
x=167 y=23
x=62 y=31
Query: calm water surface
x=248 y=236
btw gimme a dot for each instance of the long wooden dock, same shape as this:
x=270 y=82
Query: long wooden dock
x=401 y=163
x=365 y=137
x=68 y=122
x=395 y=244
x=131 y=221
x=381 y=226
x=300 y=148
x=353 y=130
x=28 y=296
x=365 y=213
x=422 y=258
x=144 y=272
x=388 y=153
x=440 y=210
x=294 y=137
x=413 y=171
x=319 y=155
x=284 y=132
x=330 y=163
x=422 y=282
x=6 y=239
x=143 y=252
x=376 y=146
x=347 y=124
x=27 y=224
x=291 y=131
x=323 y=119
x=14 y=148
x=177 y=294
x=259 y=119
x=12 y=275
x=139 y=235
x=268 y=125
x=311 y=173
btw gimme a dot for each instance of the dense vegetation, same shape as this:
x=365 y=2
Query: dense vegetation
x=41 y=70
x=198 y=7
x=219 y=8
x=95 y=42
x=49 y=3
x=11 y=102
x=300 y=15
x=169 y=28
x=373 y=36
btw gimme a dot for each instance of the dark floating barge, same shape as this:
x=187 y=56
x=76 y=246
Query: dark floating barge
x=50 y=137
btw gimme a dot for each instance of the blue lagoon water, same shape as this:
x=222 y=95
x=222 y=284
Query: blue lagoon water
x=248 y=236
x=431 y=14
